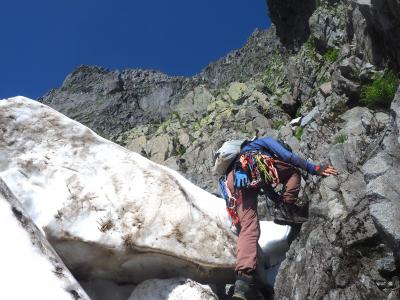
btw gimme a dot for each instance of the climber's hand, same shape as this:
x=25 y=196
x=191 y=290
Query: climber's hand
x=241 y=179
x=328 y=170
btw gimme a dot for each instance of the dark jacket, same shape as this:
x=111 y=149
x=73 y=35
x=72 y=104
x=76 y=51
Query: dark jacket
x=271 y=147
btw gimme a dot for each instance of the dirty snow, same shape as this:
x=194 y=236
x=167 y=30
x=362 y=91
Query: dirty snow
x=27 y=272
x=129 y=218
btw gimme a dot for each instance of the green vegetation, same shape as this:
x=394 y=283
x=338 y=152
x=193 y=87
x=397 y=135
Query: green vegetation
x=274 y=77
x=175 y=115
x=180 y=150
x=381 y=91
x=341 y=138
x=326 y=78
x=278 y=123
x=298 y=133
x=310 y=49
x=278 y=102
x=298 y=112
x=331 y=55
x=164 y=125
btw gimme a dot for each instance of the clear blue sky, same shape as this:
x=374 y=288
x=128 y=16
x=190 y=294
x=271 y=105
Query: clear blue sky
x=42 y=41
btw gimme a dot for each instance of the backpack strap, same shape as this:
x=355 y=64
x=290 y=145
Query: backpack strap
x=230 y=201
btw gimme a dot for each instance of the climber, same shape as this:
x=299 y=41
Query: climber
x=262 y=164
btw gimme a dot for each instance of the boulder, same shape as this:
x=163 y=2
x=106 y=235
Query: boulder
x=172 y=289
x=30 y=268
x=195 y=102
x=386 y=217
x=237 y=91
x=346 y=78
x=310 y=117
x=326 y=89
x=128 y=218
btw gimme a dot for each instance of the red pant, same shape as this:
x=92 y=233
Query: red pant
x=246 y=250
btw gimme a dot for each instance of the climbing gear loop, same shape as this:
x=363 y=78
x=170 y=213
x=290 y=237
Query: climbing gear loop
x=259 y=168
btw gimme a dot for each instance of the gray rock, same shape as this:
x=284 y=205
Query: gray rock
x=291 y=20
x=386 y=216
x=160 y=148
x=311 y=116
x=376 y=29
x=237 y=91
x=302 y=75
x=326 y=89
x=385 y=187
x=386 y=265
x=328 y=25
x=352 y=189
x=337 y=158
x=350 y=76
x=113 y=102
x=195 y=102
x=359 y=228
x=350 y=67
x=289 y=105
x=242 y=64
x=343 y=85
x=358 y=122
x=376 y=166
x=395 y=107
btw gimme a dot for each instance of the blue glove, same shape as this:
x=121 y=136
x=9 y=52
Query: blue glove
x=241 y=179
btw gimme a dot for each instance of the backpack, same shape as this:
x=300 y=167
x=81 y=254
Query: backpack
x=228 y=152
x=226 y=155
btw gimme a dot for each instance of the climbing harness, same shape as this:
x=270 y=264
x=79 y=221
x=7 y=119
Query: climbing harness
x=260 y=171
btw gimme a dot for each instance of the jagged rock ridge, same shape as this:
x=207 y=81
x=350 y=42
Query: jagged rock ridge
x=111 y=102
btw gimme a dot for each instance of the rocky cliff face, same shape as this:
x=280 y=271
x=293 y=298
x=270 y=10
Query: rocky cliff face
x=349 y=248
x=332 y=52
x=375 y=26
x=112 y=102
x=291 y=20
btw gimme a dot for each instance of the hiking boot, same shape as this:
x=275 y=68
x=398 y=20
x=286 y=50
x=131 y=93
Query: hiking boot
x=245 y=289
x=288 y=214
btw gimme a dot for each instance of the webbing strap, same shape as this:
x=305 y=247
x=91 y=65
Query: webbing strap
x=230 y=201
